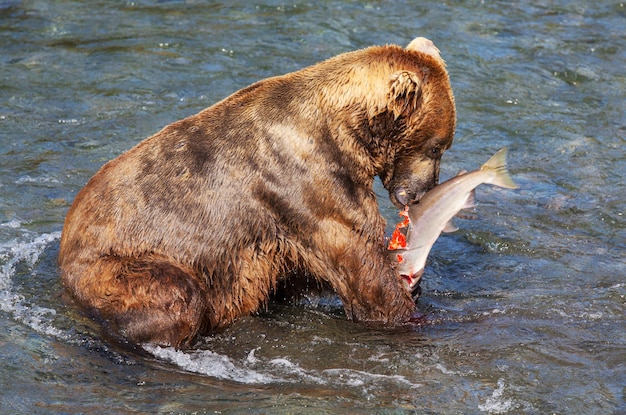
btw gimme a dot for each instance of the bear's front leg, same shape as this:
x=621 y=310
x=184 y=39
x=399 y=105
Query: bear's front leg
x=376 y=292
x=365 y=279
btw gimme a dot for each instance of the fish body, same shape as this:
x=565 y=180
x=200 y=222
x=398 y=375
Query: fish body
x=435 y=210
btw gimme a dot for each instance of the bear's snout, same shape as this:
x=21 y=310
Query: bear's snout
x=411 y=181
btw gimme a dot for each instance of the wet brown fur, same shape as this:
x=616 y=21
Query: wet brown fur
x=193 y=227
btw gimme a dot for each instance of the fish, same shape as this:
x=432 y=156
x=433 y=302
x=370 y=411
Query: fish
x=425 y=220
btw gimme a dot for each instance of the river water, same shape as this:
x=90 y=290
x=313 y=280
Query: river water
x=524 y=305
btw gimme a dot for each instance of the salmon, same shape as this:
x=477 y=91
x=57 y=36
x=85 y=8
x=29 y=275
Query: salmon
x=425 y=220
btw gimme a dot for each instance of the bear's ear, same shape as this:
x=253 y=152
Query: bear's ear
x=421 y=44
x=404 y=93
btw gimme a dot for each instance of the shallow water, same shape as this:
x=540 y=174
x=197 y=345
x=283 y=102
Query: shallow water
x=524 y=305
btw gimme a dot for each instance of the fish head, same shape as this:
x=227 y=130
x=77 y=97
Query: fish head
x=410 y=268
x=414 y=280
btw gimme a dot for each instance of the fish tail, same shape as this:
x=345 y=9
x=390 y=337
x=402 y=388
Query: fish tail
x=497 y=163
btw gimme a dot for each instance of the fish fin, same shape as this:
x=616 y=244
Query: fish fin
x=470 y=202
x=498 y=163
x=461 y=172
x=450 y=227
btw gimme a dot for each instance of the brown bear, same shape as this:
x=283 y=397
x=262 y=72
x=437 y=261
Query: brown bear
x=196 y=225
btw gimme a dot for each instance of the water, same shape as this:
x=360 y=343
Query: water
x=525 y=305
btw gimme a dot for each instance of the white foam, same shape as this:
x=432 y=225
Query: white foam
x=494 y=311
x=29 y=179
x=496 y=403
x=16 y=251
x=380 y=357
x=351 y=377
x=37 y=318
x=12 y=224
x=593 y=315
x=252 y=359
x=447 y=371
x=291 y=369
x=321 y=340
x=11 y=301
x=255 y=370
x=208 y=363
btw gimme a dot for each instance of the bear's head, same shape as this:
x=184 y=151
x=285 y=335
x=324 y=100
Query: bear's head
x=420 y=105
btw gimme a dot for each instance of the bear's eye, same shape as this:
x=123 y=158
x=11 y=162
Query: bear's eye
x=435 y=152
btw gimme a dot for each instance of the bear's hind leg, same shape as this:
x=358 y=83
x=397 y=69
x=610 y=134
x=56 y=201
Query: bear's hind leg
x=147 y=300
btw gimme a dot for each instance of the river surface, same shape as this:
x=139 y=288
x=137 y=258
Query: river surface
x=524 y=305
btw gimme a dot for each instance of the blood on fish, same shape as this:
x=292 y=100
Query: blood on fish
x=398 y=238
